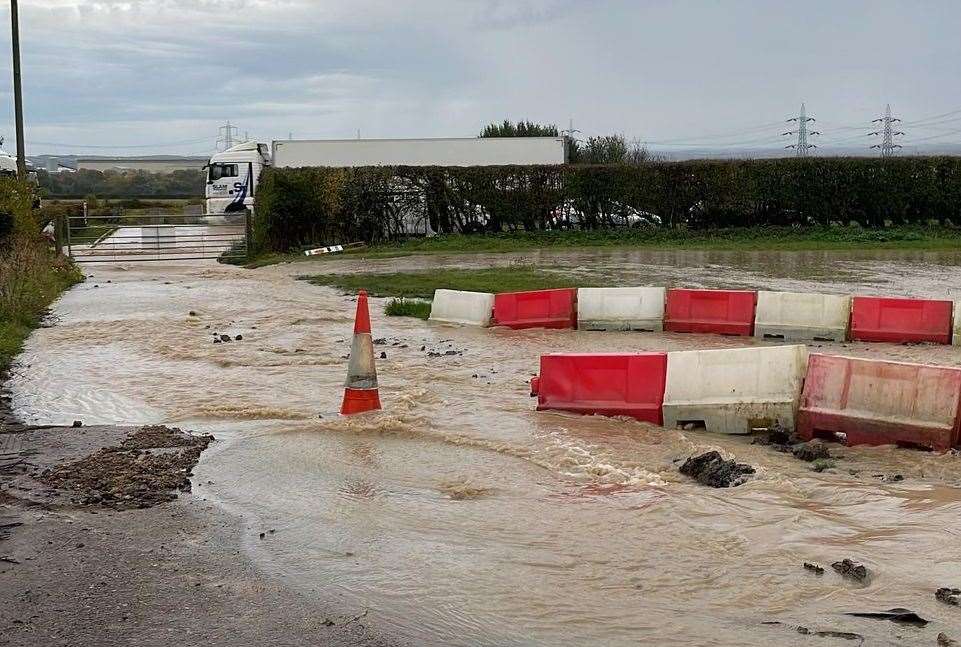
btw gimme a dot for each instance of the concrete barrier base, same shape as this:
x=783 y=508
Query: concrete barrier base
x=798 y=333
x=642 y=325
x=730 y=418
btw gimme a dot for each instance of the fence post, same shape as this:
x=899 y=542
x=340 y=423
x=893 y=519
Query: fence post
x=58 y=224
x=248 y=231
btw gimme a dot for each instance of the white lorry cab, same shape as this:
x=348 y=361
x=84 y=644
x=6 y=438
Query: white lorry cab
x=232 y=175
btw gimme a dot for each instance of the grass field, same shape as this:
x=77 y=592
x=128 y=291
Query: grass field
x=421 y=285
x=737 y=239
x=412 y=291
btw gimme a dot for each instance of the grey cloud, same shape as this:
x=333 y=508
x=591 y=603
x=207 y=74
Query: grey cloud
x=129 y=72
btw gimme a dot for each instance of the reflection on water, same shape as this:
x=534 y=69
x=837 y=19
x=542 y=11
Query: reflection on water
x=459 y=515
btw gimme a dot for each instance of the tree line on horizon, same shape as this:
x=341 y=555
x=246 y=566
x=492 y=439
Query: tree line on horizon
x=603 y=149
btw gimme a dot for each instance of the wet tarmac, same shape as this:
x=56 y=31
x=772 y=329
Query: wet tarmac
x=459 y=515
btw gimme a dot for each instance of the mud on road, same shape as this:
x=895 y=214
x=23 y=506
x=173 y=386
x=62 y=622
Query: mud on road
x=100 y=546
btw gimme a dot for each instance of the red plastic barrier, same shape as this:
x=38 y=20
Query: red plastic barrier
x=608 y=384
x=538 y=309
x=900 y=320
x=725 y=312
x=880 y=403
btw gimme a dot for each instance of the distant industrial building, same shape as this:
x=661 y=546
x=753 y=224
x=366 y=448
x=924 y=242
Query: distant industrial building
x=152 y=164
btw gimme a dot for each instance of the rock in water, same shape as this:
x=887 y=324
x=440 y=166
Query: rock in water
x=944 y=641
x=949 y=596
x=811 y=451
x=712 y=470
x=851 y=569
x=814 y=568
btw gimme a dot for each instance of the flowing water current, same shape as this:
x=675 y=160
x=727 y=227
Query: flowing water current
x=459 y=515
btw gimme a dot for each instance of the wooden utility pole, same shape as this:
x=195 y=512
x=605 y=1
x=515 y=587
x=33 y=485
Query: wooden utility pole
x=17 y=91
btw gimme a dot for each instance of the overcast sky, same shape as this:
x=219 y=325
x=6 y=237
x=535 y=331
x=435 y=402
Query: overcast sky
x=162 y=75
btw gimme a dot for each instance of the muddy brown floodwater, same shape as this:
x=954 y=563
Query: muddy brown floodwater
x=459 y=515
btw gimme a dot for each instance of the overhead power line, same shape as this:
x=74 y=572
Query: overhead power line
x=931 y=137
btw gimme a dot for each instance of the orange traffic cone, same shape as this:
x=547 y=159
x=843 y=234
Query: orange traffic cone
x=360 y=392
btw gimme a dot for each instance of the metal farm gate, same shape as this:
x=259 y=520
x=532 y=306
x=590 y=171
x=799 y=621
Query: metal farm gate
x=155 y=237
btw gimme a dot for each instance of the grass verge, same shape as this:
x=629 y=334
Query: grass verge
x=421 y=285
x=408 y=308
x=731 y=239
x=32 y=276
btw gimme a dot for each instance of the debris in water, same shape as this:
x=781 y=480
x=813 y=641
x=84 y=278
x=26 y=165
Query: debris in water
x=811 y=451
x=814 y=568
x=944 y=641
x=77 y=423
x=778 y=438
x=191 y=314
x=238 y=338
x=383 y=354
x=148 y=468
x=225 y=338
x=461 y=490
x=846 y=635
x=899 y=615
x=216 y=340
x=712 y=470
x=851 y=569
x=949 y=596
x=822 y=464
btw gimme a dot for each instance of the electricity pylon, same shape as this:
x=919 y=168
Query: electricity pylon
x=887 y=133
x=802 y=147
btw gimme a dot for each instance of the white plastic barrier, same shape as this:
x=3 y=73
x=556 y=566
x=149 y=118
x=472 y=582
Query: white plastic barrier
x=956 y=335
x=734 y=391
x=458 y=306
x=798 y=316
x=620 y=309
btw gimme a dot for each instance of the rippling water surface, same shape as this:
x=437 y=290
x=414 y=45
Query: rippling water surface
x=460 y=516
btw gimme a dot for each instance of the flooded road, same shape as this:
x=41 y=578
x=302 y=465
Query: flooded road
x=460 y=516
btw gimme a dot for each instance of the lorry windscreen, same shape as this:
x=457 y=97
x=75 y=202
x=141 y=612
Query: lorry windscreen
x=219 y=171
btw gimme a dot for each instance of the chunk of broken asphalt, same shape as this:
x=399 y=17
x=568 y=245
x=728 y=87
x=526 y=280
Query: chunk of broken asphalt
x=851 y=569
x=712 y=470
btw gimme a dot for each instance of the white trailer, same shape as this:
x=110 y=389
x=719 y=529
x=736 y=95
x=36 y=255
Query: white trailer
x=232 y=175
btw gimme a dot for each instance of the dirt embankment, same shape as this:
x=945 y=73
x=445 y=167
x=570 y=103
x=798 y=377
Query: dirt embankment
x=98 y=546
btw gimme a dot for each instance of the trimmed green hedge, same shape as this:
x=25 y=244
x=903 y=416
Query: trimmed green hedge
x=302 y=206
